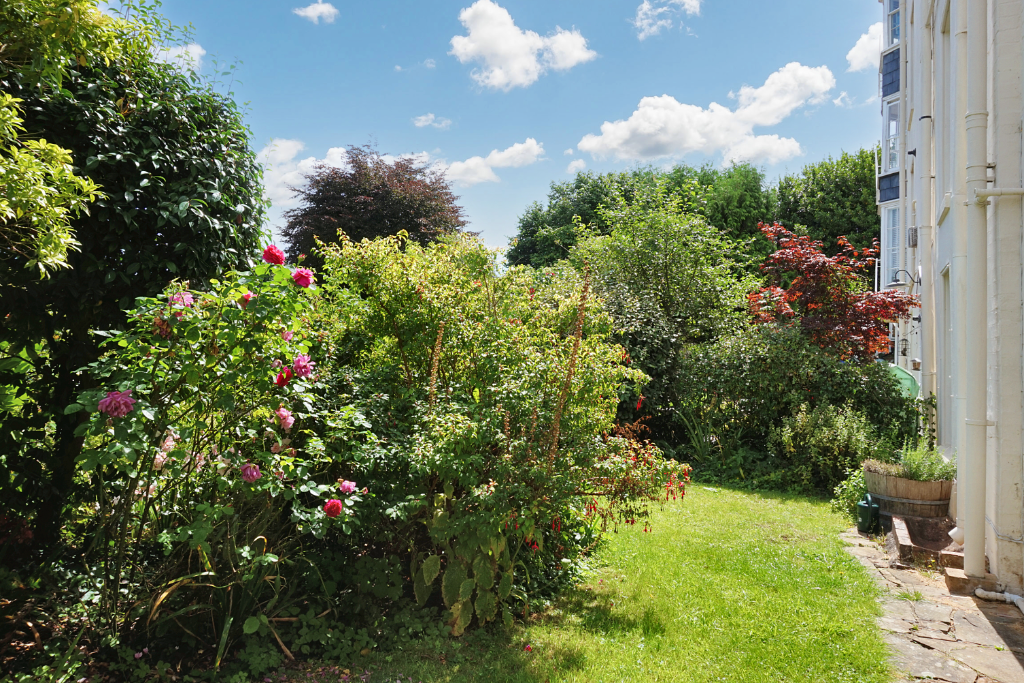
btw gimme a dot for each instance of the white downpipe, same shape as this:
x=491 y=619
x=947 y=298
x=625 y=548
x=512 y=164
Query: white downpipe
x=1001 y=597
x=976 y=319
x=926 y=204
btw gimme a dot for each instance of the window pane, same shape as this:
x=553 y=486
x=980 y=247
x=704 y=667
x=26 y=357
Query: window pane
x=892 y=5
x=892 y=238
x=894 y=28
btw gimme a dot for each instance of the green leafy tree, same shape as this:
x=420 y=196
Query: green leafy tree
x=670 y=280
x=373 y=196
x=734 y=200
x=184 y=200
x=832 y=198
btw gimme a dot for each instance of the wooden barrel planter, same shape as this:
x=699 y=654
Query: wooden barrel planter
x=906 y=497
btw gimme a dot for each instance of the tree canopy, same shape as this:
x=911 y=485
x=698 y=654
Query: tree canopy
x=183 y=200
x=832 y=198
x=372 y=196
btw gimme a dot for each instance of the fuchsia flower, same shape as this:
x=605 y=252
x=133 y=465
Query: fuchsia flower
x=117 y=403
x=245 y=299
x=287 y=335
x=348 y=487
x=272 y=254
x=303 y=277
x=250 y=473
x=332 y=508
x=284 y=416
x=303 y=366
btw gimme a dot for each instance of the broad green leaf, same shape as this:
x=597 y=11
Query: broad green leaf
x=251 y=625
x=454 y=575
x=431 y=568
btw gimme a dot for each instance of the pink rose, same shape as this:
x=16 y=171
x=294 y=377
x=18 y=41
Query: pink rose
x=183 y=298
x=303 y=366
x=332 y=508
x=284 y=416
x=117 y=403
x=348 y=487
x=274 y=255
x=250 y=472
x=287 y=335
x=303 y=277
x=246 y=298
x=159 y=461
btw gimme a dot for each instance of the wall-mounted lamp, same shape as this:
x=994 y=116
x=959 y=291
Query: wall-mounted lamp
x=897 y=283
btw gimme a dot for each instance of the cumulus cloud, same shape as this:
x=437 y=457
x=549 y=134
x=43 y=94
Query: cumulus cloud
x=183 y=56
x=664 y=127
x=431 y=120
x=654 y=15
x=509 y=56
x=575 y=166
x=865 y=52
x=568 y=152
x=283 y=171
x=317 y=11
x=480 y=169
x=844 y=100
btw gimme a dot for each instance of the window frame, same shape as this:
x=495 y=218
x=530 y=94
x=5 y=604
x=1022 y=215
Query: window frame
x=895 y=136
x=890 y=24
x=891 y=242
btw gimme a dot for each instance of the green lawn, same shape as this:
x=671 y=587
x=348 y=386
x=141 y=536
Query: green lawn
x=729 y=586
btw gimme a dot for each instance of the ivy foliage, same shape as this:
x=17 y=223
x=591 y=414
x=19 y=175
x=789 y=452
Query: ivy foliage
x=183 y=199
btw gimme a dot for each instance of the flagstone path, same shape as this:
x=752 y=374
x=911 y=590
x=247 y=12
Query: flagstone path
x=938 y=636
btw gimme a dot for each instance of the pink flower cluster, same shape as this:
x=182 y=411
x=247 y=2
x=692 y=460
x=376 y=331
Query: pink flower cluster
x=117 y=403
x=250 y=472
x=284 y=418
x=303 y=366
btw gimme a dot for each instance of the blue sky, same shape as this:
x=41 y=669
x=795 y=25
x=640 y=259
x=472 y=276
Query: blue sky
x=510 y=95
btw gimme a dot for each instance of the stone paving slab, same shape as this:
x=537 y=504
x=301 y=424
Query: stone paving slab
x=941 y=637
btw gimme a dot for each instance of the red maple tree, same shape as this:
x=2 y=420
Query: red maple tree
x=829 y=297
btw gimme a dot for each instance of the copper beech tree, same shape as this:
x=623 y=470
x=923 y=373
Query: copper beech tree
x=828 y=296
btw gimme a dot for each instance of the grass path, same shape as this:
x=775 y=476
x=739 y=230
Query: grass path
x=729 y=586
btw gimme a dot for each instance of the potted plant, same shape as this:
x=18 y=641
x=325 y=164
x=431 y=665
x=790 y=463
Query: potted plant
x=919 y=484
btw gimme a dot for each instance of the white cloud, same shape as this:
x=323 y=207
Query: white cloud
x=480 y=169
x=431 y=120
x=317 y=11
x=429 y=63
x=190 y=55
x=512 y=57
x=575 y=166
x=654 y=15
x=664 y=127
x=865 y=52
x=282 y=171
x=844 y=100
x=568 y=152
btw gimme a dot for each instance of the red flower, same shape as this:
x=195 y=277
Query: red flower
x=303 y=277
x=640 y=402
x=274 y=255
x=332 y=508
x=283 y=377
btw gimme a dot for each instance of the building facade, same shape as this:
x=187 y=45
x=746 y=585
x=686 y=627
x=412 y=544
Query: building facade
x=949 y=195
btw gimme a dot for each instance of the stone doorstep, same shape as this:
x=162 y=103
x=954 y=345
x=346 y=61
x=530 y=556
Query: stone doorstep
x=958 y=582
x=950 y=558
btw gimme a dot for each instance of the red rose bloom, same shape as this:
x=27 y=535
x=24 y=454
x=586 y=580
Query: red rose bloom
x=274 y=255
x=283 y=377
x=332 y=508
x=303 y=277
